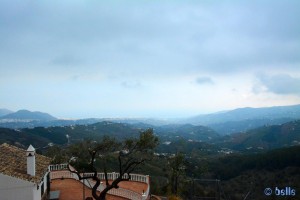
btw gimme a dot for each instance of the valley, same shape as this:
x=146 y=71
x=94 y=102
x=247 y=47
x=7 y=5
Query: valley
x=244 y=160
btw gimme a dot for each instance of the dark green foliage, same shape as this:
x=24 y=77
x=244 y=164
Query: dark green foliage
x=187 y=131
x=55 y=135
x=58 y=154
x=108 y=149
x=264 y=138
x=21 y=138
x=185 y=146
x=41 y=136
x=230 y=166
x=177 y=165
x=256 y=181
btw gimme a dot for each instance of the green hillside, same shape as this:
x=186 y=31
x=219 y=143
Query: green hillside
x=253 y=173
x=263 y=138
x=41 y=136
x=186 y=131
x=21 y=138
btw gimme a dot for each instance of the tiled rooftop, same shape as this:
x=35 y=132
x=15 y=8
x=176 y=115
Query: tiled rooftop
x=13 y=163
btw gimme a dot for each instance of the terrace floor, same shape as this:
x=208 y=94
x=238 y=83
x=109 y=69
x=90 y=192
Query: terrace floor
x=71 y=189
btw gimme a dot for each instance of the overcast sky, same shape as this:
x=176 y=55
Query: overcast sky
x=92 y=58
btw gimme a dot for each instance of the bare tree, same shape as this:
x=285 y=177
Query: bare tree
x=129 y=154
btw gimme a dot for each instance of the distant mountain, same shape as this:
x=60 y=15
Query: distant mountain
x=264 y=138
x=230 y=127
x=223 y=123
x=4 y=111
x=28 y=115
x=241 y=114
x=243 y=119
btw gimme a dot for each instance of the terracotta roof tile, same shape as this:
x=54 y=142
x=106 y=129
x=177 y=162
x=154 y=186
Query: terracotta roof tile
x=13 y=162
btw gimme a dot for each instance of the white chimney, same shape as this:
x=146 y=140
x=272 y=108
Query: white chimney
x=30 y=153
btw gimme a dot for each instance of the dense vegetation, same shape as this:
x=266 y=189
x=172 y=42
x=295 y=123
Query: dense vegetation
x=264 y=138
x=228 y=167
x=250 y=161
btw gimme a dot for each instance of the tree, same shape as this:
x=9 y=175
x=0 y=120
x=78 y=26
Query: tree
x=57 y=154
x=178 y=166
x=129 y=154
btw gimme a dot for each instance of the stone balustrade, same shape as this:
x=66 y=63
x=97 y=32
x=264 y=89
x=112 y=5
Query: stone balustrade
x=61 y=171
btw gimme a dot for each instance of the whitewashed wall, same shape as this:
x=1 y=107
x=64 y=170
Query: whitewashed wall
x=45 y=184
x=14 y=188
x=37 y=192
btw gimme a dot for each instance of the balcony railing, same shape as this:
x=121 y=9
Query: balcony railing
x=61 y=171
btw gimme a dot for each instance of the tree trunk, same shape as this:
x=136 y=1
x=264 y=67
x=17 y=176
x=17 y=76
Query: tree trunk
x=173 y=184
x=102 y=196
x=176 y=185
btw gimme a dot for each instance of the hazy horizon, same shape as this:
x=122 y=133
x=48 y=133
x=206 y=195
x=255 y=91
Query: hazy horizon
x=151 y=59
x=144 y=117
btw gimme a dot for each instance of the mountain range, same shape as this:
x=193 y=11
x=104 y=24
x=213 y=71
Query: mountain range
x=240 y=114
x=4 y=112
x=255 y=140
x=224 y=123
x=244 y=119
x=258 y=146
x=25 y=115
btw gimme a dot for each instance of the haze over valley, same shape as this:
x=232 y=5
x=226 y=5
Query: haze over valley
x=244 y=128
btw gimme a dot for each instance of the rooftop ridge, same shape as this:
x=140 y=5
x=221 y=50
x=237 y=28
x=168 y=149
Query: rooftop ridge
x=13 y=163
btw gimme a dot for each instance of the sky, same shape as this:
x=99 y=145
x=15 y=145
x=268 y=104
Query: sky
x=154 y=58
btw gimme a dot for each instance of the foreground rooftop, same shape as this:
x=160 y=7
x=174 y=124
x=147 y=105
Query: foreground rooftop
x=13 y=163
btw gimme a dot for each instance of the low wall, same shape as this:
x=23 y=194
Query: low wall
x=60 y=171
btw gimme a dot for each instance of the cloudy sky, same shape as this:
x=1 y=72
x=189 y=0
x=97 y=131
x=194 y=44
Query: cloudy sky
x=155 y=58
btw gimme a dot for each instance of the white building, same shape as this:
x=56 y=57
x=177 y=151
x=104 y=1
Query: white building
x=23 y=174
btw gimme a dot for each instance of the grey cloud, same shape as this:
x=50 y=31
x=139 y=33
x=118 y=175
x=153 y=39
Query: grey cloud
x=204 y=80
x=280 y=84
x=174 y=37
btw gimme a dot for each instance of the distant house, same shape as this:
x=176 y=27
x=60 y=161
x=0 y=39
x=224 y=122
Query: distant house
x=23 y=174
